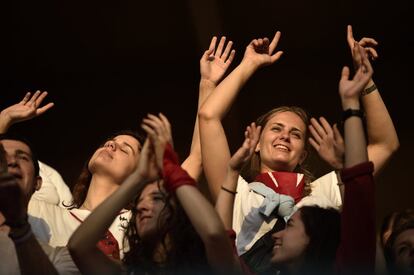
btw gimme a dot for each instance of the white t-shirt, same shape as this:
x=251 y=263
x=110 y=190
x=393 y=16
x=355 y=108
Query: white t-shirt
x=54 y=189
x=246 y=216
x=54 y=225
x=58 y=256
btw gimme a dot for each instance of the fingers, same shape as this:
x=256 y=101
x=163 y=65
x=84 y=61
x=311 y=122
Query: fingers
x=326 y=126
x=208 y=55
x=337 y=134
x=367 y=41
x=350 y=37
x=274 y=42
x=42 y=110
x=345 y=73
x=158 y=127
x=39 y=100
x=212 y=44
x=320 y=130
x=371 y=53
x=356 y=54
x=231 y=57
x=315 y=134
x=314 y=144
x=227 y=50
x=220 y=47
x=25 y=98
x=276 y=56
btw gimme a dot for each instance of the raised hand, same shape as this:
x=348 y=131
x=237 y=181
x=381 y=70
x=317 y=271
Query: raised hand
x=26 y=109
x=366 y=42
x=328 y=142
x=350 y=89
x=242 y=155
x=260 y=51
x=158 y=129
x=215 y=61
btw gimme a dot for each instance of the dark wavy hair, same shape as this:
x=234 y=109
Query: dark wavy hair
x=16 y=137
x=80 y=189
x=252 y=168
x=323 y=227
x=185 y=249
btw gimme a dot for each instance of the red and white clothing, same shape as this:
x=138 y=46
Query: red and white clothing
x=246 y=216
x=54 y=225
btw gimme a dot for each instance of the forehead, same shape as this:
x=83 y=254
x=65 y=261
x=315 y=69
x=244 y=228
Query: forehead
x=15 y=145
x=287 y=118
x=406 y=236
x=128 y=139
x=150 y=188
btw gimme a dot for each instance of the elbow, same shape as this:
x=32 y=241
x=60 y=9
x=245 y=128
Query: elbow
x=206 y=115
x=215 y=234
x=395 y=146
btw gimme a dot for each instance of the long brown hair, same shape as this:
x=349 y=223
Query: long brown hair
x=252 y=167
x=185 y=251
x=81 y=187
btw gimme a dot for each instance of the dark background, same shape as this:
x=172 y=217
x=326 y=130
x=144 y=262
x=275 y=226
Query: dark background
x=108 y=64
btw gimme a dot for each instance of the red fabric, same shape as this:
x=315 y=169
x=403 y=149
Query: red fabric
x=287 y=183
x=357 y=248
x=245 y=268
x=174 y=175
x=108 y=244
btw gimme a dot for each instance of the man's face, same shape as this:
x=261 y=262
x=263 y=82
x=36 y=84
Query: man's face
x=20 y=165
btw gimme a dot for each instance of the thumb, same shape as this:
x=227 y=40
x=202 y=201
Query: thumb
x=345 y=73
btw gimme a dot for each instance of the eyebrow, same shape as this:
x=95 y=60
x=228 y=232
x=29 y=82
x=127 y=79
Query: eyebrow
x=124 y=143
x=21 y=152
x=283 y=125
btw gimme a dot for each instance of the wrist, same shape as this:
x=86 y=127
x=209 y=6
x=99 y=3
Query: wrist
x=207 y=83
x=347 y=113
x=5 y=123
x=369 y=88
x=350 y=104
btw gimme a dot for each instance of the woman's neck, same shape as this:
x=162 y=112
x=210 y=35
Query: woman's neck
x=99 y=189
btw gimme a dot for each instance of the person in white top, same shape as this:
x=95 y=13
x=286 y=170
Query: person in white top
x=277 y=165
x=17 y=186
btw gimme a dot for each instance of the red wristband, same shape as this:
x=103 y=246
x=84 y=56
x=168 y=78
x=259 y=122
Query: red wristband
x=174 y=175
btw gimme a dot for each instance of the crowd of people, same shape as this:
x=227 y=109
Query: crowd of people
x=136 y=210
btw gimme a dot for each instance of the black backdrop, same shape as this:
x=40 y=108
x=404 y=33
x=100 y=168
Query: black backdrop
x=108 y=63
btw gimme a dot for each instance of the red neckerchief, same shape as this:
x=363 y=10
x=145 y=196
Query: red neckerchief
x=108 y=244
x=286 y=183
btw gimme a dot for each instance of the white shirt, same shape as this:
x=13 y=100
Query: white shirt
x=54 y=225
x=325 y=193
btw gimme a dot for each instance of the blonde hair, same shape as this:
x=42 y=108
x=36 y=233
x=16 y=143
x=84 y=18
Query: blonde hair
x=252 y=167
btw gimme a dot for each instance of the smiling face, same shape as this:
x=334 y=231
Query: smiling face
x=282 y=142
x=20 y=165
x=150 y=204
x=290 y=243
x=117 y=158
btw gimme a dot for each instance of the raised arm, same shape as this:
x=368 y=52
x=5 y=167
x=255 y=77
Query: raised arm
x=213 y=65
x=26 y=109
x=176 y=180
x=382 y=136
x=355 y=144
x=225 y=199
x=214 y=146
x=356 y=253
x=82 y=244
